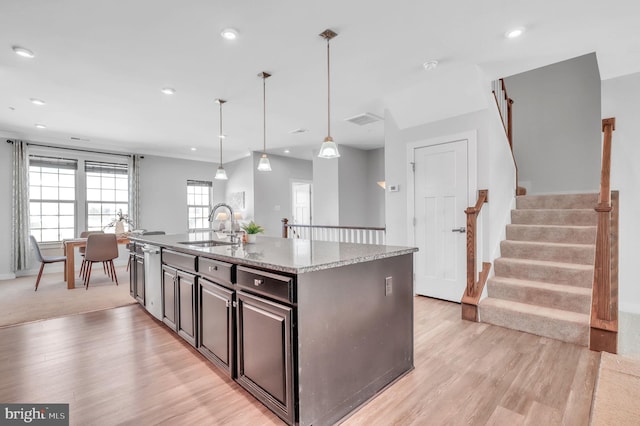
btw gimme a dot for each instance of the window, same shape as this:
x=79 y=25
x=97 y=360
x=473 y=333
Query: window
x=199 y=204
x=52 y=198
x=107 y=193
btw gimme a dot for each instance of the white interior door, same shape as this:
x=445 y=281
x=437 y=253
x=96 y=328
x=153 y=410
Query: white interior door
x=301 y=198
x=440 y=200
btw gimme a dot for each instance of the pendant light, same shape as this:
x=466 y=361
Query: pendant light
x=220 y=173
x=264 y=165
x=328 y=149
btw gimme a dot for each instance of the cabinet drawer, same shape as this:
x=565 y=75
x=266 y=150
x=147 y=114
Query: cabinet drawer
x=220 y=272
x=186 y=262
x=278 y=287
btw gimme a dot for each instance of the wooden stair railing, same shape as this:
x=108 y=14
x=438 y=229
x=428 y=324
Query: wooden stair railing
x=604 y=301
x=472 y=293
x=505 y=108
x=343 y=234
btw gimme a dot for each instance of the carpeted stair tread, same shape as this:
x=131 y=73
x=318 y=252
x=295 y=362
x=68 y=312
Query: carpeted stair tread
x=580 y=234
x=554 y=217
x=561 y=201
x=558 y=252
x=552 y=295
x=557 y=324
x=544 y=270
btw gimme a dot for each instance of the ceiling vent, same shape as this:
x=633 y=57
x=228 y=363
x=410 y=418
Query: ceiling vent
x=75 y=138
x=300 y=130
x=363 y=119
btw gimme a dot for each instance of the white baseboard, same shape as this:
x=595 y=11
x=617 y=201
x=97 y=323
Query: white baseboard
x=7 y=276
x=632 y=308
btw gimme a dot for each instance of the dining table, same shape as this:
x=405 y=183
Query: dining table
x=69 y=252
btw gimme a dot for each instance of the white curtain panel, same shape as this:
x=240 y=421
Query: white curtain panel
x=134 y=190
x=21 y=248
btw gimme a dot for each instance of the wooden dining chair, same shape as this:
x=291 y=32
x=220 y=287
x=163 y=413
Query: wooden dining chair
x=44 y=259
x=101 y=248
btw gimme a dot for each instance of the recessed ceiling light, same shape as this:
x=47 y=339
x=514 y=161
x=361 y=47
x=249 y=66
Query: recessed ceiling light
x=168 y=90
x=430 y=64
x=229 y=34
x=194 y=149
x=25 y=53
x=37 y=101
x=286 y=151
x=514 y=33
x=41 y=126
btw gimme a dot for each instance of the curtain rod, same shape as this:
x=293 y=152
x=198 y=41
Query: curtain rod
x=74 y=149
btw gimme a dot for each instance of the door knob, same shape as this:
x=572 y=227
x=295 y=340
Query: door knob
x=462 y=230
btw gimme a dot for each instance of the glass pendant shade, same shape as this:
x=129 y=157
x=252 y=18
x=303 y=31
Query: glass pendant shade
x=264 y=165
x=328 y=149
x=221 y=174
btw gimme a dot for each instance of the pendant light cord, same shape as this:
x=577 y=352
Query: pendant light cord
x=328 y=89
x=220 y=135
x=264 y=114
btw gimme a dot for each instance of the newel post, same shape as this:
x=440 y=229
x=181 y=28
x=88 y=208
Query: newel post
x=285 y=228
x=474 y=288
x=604 y=315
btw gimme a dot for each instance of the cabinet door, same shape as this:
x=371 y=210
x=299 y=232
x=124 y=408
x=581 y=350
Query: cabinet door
x=216 y=324
x=132 y=275
x=138 y=266
x=169 y=296
x=265 y=353
x=186 y=292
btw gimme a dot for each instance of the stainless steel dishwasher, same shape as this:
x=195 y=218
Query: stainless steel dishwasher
x=153 y=280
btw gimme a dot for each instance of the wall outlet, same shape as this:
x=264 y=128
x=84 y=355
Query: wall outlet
x=388 y=286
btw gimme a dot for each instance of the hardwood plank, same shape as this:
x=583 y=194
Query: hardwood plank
x=121 y=366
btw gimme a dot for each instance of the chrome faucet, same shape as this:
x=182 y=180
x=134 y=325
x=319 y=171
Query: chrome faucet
x=232 y=235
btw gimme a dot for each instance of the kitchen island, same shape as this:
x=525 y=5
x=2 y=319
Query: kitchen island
x=312 y=329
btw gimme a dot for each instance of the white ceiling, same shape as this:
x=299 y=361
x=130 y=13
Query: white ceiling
x=100 y=66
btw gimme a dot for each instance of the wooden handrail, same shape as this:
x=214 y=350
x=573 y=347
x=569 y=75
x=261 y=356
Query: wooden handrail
x=604 y=307
x=474 y=288
x=505 y=109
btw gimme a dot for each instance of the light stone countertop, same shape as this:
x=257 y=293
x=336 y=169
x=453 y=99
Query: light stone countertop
x=295 y=256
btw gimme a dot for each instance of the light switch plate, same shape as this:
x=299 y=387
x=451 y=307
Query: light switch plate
x=388 y=286
x=394 y=188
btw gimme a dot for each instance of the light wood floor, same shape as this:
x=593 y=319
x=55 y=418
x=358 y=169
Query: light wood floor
x=120 y=366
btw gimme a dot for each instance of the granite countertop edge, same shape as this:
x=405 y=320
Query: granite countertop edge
x=165 y=242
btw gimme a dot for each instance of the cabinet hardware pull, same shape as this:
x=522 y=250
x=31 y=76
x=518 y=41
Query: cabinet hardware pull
x=258 y=282
x=462 y=230
x=227 y=303
x=213 y=268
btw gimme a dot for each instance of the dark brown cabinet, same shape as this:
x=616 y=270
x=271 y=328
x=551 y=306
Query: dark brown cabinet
x=178 y=302
x=216 y=324
x=169 y=276
x=138 y=266
x=264 y=340
x=185 y=304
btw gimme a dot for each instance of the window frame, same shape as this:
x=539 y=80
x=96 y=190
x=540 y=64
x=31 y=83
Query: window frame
x=105 y=170
x=203 y=218
x=42 y=162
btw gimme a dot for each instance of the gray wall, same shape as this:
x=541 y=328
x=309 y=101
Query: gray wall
x=6 y=207
x=326 y=190
x=353 y=188
x=375 y=194
x=163 y=191
x=620 y=100
x=273 y=190
x=240 y=174
x=556 y=126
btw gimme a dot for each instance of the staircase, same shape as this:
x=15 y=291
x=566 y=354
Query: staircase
x=542 y=283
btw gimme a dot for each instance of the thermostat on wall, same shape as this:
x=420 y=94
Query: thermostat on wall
x=394 y=188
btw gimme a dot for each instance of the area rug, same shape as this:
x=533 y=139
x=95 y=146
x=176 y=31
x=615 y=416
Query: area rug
x=617 y=392
x=19 y=303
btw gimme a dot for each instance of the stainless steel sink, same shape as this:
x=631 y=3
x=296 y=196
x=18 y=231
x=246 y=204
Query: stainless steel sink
x=207 y=243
